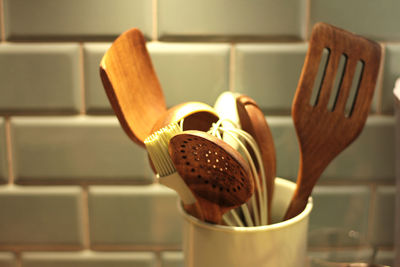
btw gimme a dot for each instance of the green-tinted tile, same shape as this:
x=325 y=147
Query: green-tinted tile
x=339 y=216
x=269 y=73
x=96 y=98
x=383 y=233
x=134 y=215
x=88 y=259
x=386 y=257
x=88 y=19
x=187 y=72
x=327 y=257
x=76 y=149
x=191 y=72
x=371 y=156
x=39 y=78
x=358 y=162
x=390 y=75
x=172 y=259
x=41 y=216
x=231 y=18
x=3 y=153
x=7 y=259
x=373 y=19
x=286 y=147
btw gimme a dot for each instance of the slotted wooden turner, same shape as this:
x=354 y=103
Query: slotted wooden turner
x=323 y=133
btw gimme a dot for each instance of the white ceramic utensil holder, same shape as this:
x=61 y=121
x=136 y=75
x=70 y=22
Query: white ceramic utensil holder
x=282 y=244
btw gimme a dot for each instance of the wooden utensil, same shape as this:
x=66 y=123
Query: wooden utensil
x=132 y=85
x=157 y=148
x=253 y=121
x=323 y=133
x=196 y=116
x=217 y=174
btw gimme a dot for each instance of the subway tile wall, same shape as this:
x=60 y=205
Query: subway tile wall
x=75 y=191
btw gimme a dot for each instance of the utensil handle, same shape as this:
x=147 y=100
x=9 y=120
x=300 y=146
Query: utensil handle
x=194 y=210
x=296 y=206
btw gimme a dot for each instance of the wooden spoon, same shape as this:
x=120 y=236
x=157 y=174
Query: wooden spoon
x=132 y=85
x=196 y=116
x=253 y=121
x=323 y=133
x=218 y=176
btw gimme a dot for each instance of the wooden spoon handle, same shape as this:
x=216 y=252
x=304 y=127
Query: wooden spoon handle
x=194 y=210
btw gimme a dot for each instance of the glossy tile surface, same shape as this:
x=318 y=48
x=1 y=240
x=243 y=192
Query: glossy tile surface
x=39 y=78
x=88 y=259
x=381 y=23
x=7 y=259
x=41 y=216
x=339 y=216
x=191 y=72
x=269 y=73
x=74 y=149
x=260 y=18
x=172 y=259
x=88 y=19
x=385 y=257
x=3 y=153
x=146 y=215
x=383 y=233
x=96 y=100
x=187 y=72
x=358 y=162
x=391 y=74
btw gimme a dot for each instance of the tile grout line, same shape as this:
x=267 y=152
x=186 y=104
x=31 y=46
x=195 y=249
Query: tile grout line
x=11 y=177
x=18 y=258
x=232 y=68
x=82 y=79
x=154 y=20
x=307 y=20
x=371 y=215
x=85 y=217
x=158 y=262
x=2 y=23
x=380 y=81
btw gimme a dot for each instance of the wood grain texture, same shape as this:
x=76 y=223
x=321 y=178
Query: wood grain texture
x=196 y=116
x=217 y=174
x=324 y=133
x=132 y=85
x=253 y=121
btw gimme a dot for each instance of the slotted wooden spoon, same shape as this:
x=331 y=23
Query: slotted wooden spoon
x=323 y=133
x=132 y=85
x=218 y=176
x=253 y=121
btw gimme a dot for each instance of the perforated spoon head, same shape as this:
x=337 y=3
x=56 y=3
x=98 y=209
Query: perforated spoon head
x=324 y=131
x=217 y=174
x=132 y=86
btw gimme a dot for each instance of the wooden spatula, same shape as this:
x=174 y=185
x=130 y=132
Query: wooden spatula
x=132 y=85
x=324 y=132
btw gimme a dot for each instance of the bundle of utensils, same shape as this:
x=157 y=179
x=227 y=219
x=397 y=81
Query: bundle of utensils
x=221 y=160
